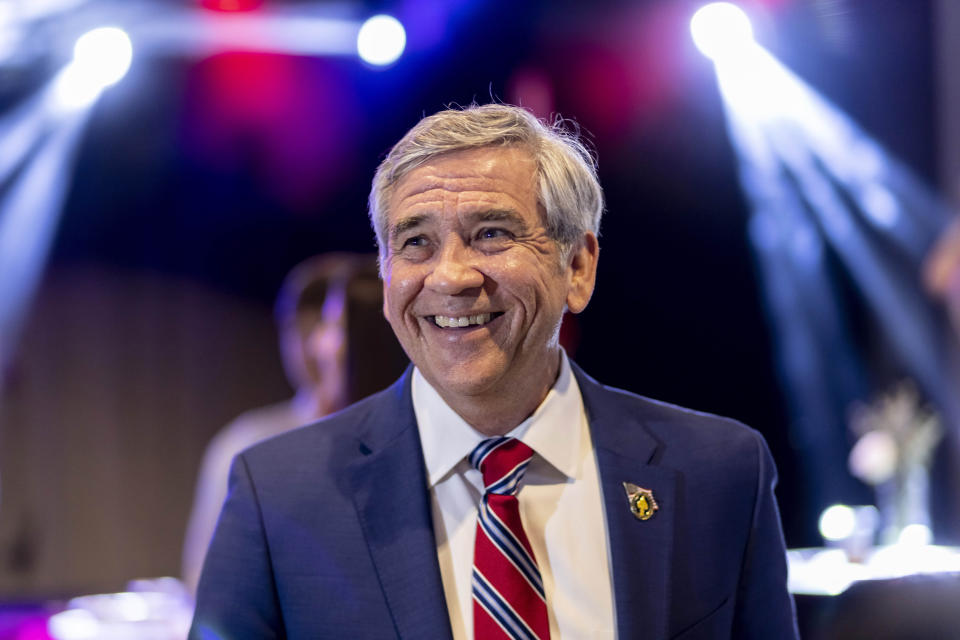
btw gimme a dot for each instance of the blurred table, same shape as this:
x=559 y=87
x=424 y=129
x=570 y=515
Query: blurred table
x=151 y=609
x=828 y=572
x=893 y=592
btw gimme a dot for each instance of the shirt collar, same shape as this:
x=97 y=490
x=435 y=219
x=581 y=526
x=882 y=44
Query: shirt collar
x=552 y=431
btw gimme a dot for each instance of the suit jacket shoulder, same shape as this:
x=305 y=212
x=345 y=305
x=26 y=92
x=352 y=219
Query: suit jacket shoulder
x=669 y=434
x=713 y=552
x=327 y=530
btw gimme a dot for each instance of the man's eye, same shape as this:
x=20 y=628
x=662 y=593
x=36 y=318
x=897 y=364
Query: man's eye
x=415 y=241
x=493 y=233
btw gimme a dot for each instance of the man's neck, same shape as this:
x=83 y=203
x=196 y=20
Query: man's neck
x=497 y=412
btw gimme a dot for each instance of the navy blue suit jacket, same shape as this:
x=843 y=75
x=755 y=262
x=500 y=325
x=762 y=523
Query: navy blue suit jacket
x=327 y=530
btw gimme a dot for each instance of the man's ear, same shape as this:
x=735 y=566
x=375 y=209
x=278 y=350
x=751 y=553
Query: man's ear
x=582 y=272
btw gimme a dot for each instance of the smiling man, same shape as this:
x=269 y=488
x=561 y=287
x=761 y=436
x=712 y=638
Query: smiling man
x=497 y=491
x=475 y=286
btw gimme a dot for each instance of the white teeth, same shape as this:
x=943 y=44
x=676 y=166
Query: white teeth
x=465 y=321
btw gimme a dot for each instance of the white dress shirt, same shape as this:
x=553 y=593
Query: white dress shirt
x=561 y=507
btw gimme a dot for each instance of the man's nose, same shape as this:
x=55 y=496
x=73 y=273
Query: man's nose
x=454 y=271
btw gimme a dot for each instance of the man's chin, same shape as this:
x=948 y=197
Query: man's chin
x=464 y=380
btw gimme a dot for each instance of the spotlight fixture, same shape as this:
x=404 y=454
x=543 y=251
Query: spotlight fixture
x=101 y=57
x=721 y=29
x=381 y=40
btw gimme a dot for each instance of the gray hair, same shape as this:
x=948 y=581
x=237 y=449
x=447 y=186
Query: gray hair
x=566 y=170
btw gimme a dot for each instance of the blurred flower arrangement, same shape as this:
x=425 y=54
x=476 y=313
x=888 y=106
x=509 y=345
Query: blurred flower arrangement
x=897 y=436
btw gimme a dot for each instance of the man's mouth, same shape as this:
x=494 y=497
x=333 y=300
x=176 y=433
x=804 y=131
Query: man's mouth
x=464 y=321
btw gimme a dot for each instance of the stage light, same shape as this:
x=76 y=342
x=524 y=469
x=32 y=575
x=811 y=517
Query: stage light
x=100 y=58
x=837 y=522
x=381 y=40
x=103 y=55
x=828 y=201
x=915 y=535
x=721 y=29
x=231 y=5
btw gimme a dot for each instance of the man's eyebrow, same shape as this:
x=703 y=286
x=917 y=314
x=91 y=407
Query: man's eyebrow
x=497 y=215
x=404 y=225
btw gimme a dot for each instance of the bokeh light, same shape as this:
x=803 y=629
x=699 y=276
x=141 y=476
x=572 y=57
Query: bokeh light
x=381 y=40
x=837 y=522
x=103 y=55
x=721 y=29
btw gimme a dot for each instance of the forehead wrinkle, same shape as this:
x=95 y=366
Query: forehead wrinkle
x=457 y=181
x=434 y=191
x=464 y=201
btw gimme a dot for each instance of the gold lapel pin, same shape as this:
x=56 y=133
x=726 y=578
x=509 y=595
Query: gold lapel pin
x=642 y=503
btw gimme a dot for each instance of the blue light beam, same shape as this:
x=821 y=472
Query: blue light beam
x=766 y=103
x=38 y=141
x=29 y=214
x=815 y=182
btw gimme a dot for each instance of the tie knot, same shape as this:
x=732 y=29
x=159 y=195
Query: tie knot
x=502 y=461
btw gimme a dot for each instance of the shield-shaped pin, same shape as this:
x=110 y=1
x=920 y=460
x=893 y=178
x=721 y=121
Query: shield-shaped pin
x=642 y=503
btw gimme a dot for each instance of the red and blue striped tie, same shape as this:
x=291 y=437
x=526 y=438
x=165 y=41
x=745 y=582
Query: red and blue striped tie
x=508 y=597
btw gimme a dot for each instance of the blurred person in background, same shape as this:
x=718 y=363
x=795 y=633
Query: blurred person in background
x=336 y=348
x=942 y=272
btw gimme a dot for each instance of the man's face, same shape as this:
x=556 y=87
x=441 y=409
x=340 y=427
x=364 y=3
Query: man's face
x=473 y=287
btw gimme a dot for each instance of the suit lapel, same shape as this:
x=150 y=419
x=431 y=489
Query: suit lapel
x=393 y=505
x=640 y=550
